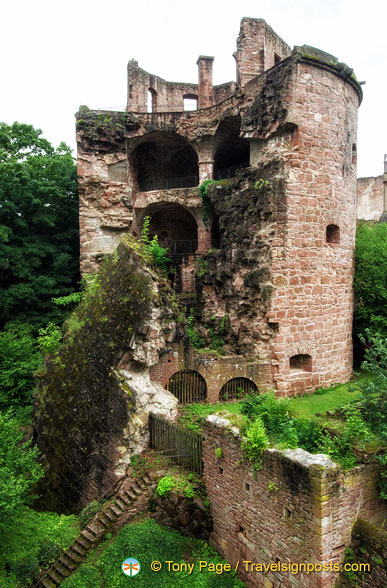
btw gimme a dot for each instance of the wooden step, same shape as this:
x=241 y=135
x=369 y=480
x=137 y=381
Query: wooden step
x=131 y=495
x=85 y=543
x=75 y=556
x=54 y=577
x=46 y=583
x=88 y=536
x=67 y=562
x=136 y=490
x=62 y=570
x=79 y=549
x=104 y=520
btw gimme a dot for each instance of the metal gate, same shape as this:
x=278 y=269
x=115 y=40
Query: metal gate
x=237 y=388
x=188 y=386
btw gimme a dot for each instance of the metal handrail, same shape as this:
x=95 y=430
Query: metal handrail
x=229 y=172
x=169 y=183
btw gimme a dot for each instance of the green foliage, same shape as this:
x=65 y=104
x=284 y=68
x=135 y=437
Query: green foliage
x=19 y=358
x=152 y=247
x=19 y=470
x=255 y=442
x=39 y=244
x=383 y=481
x=89 y=511
x=165 y=485
x=193 y=334
x=370 y=281
x=49 y=338
x=71 y=299
x=147 y=541
x=218 y=452
x=207 y=207
x=261 y=183
x=272 y=486
x=48 y=552
x=180 y=484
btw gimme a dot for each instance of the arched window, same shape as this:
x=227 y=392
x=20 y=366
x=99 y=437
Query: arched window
x=237 y=388
x=152 y=100
x=188 y=386
x=301 y=362
x=333 y=234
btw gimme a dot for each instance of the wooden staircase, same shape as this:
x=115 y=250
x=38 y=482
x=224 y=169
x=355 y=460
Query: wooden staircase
x=123 y=502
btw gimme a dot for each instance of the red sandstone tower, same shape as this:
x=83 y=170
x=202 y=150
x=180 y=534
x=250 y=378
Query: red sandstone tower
x=276 y=256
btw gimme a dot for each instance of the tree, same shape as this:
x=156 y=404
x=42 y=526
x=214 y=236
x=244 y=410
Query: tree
x=370 y=281
x=39 y=249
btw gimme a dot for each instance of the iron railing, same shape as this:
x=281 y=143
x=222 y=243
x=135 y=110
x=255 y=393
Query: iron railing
x=180 y=445
x=169 y=183
x=229 y=172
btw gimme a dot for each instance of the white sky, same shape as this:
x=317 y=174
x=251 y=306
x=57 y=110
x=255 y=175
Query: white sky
x=59 y=55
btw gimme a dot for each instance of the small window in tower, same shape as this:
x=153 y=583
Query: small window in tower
x=277 y=58
x=354 y=154
x=301 y=362
x=333 y=234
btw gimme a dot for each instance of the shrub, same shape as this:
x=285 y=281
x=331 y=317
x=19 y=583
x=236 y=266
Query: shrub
x=48 y=552
x=165 y=485
x=255 y=442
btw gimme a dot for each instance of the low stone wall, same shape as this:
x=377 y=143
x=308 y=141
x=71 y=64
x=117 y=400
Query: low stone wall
x=369 y=546
x=299 y=508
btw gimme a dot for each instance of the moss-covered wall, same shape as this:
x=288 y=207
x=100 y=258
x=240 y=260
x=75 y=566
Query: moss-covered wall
x=83 y=403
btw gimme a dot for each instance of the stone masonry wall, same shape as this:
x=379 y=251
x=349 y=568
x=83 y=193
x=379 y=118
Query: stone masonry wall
x=314 y=303
x=299 y=508
x=370 y=198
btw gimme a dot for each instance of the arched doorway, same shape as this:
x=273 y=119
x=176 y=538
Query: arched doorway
x=237 y=388
x=188 y=386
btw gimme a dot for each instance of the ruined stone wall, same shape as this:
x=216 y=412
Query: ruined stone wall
x=299 y=508
x=370 y=198
x=257 y=45
x=368 y=546
x=167 y=96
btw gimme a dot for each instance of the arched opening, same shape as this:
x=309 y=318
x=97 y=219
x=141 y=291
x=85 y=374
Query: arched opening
x=233 y=152
x=188 y=386
x=277 y=58
x=165 y=161
x=237 y=388
x=175 y=227
x=152 y=100
x=333 y=234
x=190 y=102
x=301 y=362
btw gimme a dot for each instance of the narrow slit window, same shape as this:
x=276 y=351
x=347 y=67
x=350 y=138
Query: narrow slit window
x=333 y=234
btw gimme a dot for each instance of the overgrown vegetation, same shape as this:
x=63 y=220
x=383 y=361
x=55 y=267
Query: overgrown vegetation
x=157 y=253
x=147 y=541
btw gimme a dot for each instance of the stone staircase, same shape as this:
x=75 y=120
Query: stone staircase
x=124 y=502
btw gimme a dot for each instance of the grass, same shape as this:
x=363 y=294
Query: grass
x=147 y=541
x=327 y=399
x=330 y=399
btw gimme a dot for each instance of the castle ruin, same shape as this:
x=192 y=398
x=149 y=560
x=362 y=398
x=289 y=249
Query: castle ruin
x=270 y=249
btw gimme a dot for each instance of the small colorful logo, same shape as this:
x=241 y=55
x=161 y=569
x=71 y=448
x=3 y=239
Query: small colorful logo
x=131 y=567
